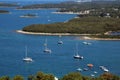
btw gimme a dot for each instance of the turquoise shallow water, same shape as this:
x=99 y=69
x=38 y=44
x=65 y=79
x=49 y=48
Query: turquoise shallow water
x=60 y=61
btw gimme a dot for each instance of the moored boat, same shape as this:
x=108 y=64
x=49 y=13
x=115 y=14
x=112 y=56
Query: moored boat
x=90 y=65
x=79 y=69
x=87 y=43
x=27 y=59
x=29 y=15
x=46 y=50
x=104 y=68
x=77 y=56
x=60 y=41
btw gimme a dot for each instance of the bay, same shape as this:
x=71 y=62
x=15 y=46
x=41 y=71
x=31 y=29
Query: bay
x=60 y=61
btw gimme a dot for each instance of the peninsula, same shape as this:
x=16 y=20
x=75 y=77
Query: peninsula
x=90 y=26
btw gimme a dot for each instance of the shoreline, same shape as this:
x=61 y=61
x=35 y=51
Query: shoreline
x=84 y=36
x=35 y=8
x=51 y=34
x=67 y=13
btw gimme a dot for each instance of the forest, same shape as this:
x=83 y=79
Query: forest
x=69 y=76
x=84 y=25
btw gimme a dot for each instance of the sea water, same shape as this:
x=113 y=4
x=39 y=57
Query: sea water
x=60 y=61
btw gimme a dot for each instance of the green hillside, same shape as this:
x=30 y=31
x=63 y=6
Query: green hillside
x=85 y=25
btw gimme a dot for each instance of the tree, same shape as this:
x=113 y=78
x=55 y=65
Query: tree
x=109 y=76
x=5 y=78
x=30 y=77
x=48 y=77
x=39 y=75
x=72 y=76
x=42 y=76
x=18 y=77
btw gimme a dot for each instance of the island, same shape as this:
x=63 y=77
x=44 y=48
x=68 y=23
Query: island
x=29 y=15
x=3 y=11
x=2 y=4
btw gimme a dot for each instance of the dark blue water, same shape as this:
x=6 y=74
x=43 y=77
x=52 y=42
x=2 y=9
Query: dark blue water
x=60 y=61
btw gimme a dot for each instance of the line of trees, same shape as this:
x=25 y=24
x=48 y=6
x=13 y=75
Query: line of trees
x=69 y=76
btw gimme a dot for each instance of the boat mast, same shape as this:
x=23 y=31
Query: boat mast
x=76 y=49
x=59 y=37
x=45 y=44
x=25 y=51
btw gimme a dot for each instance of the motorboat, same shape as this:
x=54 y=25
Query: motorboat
x=79 y=69
x=104 y=68
x=77 y=56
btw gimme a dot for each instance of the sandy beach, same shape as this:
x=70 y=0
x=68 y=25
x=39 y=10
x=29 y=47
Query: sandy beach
x=82 y=36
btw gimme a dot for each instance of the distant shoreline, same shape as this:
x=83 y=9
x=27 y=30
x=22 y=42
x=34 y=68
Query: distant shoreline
x=66 y=13
x=35 y=8
x=5 y=12
x=84 y=36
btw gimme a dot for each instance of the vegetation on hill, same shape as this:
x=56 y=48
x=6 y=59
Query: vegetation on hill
x=75 y=5
x=69 y=76
x=78 y=76
x=95 y=8
x=84 y=25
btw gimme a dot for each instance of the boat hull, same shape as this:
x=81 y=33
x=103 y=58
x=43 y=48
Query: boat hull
x=78 y=57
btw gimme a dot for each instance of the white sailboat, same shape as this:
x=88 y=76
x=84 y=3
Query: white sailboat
x=29 y=15
x=46 y=50
x=87 y=43
x=60 y=41
x=27 y=59
x=77 y=56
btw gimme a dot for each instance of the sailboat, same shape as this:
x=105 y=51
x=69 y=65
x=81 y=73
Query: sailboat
x=87 y=43
x=27 y=59
x=60 y=41
x=77 y=56
x=29 y=15
x=46 y=50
